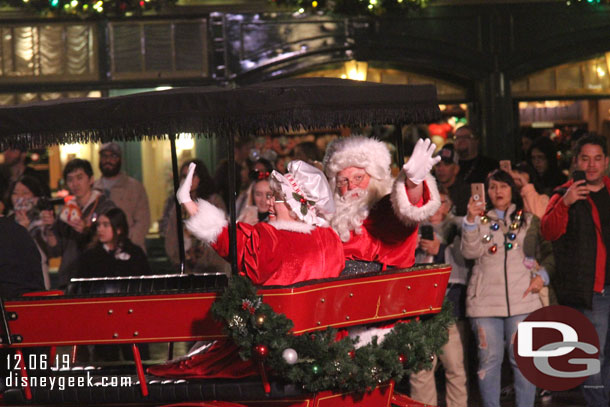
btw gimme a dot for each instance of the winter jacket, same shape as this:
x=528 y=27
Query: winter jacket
x=129 y=260
x=499 y=279
x=580 y=254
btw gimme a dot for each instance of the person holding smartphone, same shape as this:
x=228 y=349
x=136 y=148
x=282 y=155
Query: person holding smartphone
x=501 y=291
x=577 y=221
x=440 y=243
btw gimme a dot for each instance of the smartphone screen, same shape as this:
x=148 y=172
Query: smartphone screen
x=579 y=175
x=477 y=191
x=427 y=232
x=505 y=165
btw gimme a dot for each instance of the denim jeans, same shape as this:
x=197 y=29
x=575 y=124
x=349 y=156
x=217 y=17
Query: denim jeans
x=493 y=335
x=596 y=388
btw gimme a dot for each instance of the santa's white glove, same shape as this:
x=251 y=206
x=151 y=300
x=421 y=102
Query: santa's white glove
x=184 y=192
x=421 y=161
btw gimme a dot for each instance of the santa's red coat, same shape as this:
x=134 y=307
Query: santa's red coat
x=389 y=233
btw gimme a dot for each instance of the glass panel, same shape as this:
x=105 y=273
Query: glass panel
x=569 y=77
x=542 y=81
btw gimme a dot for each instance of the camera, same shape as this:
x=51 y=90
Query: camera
x=47 y=204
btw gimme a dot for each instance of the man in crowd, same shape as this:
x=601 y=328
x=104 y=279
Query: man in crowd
x=375 y=218
x=474 y=167
x=577 y=221
x=444 y=247
x=446 y=172
x=126 y=192
x=74 y=229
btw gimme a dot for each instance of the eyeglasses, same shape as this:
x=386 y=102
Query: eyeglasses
x=355 y=180
x=277 y=197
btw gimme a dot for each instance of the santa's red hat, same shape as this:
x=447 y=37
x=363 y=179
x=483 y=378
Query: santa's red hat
x=358 y=151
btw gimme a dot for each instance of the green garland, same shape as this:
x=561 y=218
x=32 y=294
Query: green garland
x=88 y=8
x=323 y=362
x=395 y=8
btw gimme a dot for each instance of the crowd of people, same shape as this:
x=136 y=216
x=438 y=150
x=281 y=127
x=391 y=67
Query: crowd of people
x=518 y=236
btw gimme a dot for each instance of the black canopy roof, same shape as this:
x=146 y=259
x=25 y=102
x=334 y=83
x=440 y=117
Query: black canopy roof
x=269 y=106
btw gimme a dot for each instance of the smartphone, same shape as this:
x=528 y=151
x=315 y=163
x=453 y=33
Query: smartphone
x=477 y=191
x=505 y=165
x=579 y=175
x=427 y=232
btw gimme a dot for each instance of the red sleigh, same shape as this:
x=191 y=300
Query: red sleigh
x=180 y=307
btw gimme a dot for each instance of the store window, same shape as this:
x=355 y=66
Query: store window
x=48 y=52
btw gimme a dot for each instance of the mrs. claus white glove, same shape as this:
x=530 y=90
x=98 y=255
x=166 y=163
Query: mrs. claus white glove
x=184 y=192
x=421 y=161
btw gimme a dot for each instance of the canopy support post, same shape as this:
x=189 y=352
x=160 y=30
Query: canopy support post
x=400 y=146
x=176 y=176
x=232 y=210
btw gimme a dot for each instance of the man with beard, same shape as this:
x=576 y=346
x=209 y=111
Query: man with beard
x=375 y=217
x=474 y=167
x=126 y=192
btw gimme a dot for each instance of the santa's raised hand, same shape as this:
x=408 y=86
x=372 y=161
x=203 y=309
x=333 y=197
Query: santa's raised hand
x=421 y=161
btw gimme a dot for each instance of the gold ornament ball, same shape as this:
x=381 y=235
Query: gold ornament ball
x=260 y=320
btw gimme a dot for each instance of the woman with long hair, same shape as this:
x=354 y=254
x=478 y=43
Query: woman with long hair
x=542 y=156
x=24 y=196
x=256 y=207
x=502 y=290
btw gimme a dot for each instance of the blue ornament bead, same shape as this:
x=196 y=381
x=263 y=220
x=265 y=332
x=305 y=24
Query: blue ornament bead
x=512 y=236
x=495 y=226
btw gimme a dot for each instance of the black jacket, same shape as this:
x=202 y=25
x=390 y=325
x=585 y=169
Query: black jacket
x=20 y=269
x=97 y=262
x=575 y=256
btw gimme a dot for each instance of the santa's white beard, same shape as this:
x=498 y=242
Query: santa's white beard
x=350 y=212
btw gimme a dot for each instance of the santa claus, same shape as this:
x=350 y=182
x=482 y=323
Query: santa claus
x=376 y=217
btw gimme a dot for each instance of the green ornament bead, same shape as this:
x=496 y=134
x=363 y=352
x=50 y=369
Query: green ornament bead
x=315 y=369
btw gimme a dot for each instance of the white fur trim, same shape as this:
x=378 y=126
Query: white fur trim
x=365 y=335
x=292 y=226
x=207 y=223
x=405 y=210
x=359 y=151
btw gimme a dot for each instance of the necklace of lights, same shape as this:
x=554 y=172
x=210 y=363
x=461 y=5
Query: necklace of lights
x=509 y=237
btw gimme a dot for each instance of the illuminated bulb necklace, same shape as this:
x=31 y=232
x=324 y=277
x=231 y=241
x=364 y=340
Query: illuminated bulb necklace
x=509 y=237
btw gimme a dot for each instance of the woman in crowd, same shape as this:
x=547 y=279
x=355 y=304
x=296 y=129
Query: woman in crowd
x=25 y=195
x=258 y=198
x=542 y=156
x=502 y=291
x=113 y=254
x=538 y=252
x=254 y=171
x=199 y=256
